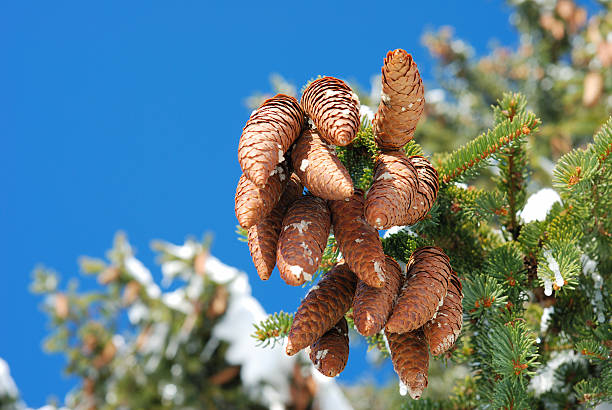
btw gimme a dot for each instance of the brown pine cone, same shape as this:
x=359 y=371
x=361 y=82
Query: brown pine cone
x=372 y=306
x=267 y=135
x=358 y=241
x=393 y=191
x=322 y=307
x=334 y=109
x=303 y=239
x=442 y=331
x=402 y=101
x=423 y=292
x=329 y=353
x=410 y=360
x=318 y=167
x=263 y=237
x=427 y=191
x=253 y=204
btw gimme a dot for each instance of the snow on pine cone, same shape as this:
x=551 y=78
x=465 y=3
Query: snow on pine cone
x=423 y=291
x=253 y=204
x=333 y=108
x=329 y=353
x=324 y=305
x=427 y=189
x=410 y=360
x=358 y=241
x=372 y=306
x=267 y=135
x=263 y=237
x=442 y=331
x=302 y=239
x=393 y=191
x=402 y=101
x=318 y=167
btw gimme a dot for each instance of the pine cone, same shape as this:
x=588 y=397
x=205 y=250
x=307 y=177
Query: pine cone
x=358 y=241
x=303 y=239
x=442 y=331
x=372 y=306
x=263 y=237
x=423 y=292
x=329 y=353
x=267 y=135
x=393 y=191
x=402 y=101
x=427 y=190
x=334 y=109
x=319 y=168
x=254 y=204
x=410 y=360
x=322 y=307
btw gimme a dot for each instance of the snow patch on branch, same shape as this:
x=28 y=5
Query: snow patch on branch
x=539 y=204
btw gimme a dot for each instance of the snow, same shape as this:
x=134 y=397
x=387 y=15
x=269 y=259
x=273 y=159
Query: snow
x=301 y=226
x=329 y=396
x=171 y=269
x=137 y=312
x=393 y=230
x=589 y=268
x=435 y=96
x=546 y=314
x=548 y=288
x=539 y=204
x=367 y=112
x=544 y=380
x=304 y=165
x=140 y=273
x=186 y=251
x=403 y=389
x=7 y=384
x=385 y=177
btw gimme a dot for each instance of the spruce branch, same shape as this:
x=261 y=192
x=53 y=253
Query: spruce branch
x=506 y=264
x=602 y=142
x=475 y=154
x=328 y=260
x=574 y=172
x=243 y=234
x=478 y=205
x=559 y=265
x=482 y=294
x=359 y=156
x=273 y=328
x=510 y=393
x=514 y=351
x=401 y=244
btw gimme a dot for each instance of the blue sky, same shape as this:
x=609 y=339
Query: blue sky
x=126 y=116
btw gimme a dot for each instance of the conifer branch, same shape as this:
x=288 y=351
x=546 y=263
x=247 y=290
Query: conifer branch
x=273 y=328
x=475 y=154
x=482 y=294
x=602 y=142
x=359 y=156
x=514 y=350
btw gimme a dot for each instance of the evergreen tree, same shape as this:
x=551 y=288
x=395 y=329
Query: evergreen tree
x=537 y=287
x=133 y=345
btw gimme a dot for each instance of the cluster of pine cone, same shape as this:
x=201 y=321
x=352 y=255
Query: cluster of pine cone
x=286 y=146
